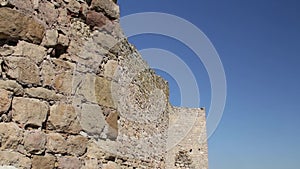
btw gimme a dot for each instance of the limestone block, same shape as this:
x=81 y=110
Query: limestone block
x=69 y=162
x=43 y=93
x=35 y=141
x=91 y=164
x=103 y=92
x=45 y=162
x=10 y=136
x=5 y=100
x=110 y=68
x=12 y=86
x=34 y=52
x=29 y=111
x=92 y=119
x=23 y=69
x=56 y=143
x=104 y=40
x=108 y=6
x=50 y=39
x=16 y=25
x=63 y=118
x=58 y=74
x=77 y=145
x=14 y=159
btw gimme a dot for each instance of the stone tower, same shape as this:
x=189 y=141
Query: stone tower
x=75 y=94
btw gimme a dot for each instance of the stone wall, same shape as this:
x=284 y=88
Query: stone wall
x=74 y=93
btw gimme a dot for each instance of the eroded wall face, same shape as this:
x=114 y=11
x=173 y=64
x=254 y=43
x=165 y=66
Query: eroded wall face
x=73 y=92
x=187 y=141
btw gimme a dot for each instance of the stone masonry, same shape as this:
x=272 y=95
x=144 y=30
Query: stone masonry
x=75 y=94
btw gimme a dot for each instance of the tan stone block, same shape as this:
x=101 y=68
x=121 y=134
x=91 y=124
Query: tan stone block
x=34 y=52
x=56 y=143
x=16 y=25
x=29 y=111
x=35 y=141
x=103 y=92
x=64 y=118
x=12 y=86
x=10 y=136
x=43 y=93
x=14 y=159
x=50 y=39
x=43 y=162
x=58 y=74
x=69 y=162
x=77 y=145
x=109 y=7
x=92 y=119
x=23 y=69
x=5 y=100
x=110 y=68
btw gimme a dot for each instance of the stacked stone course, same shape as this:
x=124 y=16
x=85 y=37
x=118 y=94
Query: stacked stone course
x=65 y=67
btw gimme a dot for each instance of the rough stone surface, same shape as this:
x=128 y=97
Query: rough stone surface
x=14 y=159
x=63 y=118
x=45 y=162
x=34 y=52
x=69 y=162
x=50 y=39
x=43 y=93
x=15 y=25
x=77 y=145
x=35 y=141
x=109 y=7
x=111 y=165
x=56 y=143
x=12 y=86
x=23 y=69
x=30 y=112
x=5 y=100
x=10 y=136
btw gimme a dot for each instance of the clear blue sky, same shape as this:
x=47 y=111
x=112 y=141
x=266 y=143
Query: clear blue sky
x=258 y=42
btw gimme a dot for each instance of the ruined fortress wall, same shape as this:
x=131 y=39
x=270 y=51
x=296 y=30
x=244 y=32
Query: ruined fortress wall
x=187 y=144
x=74 y=93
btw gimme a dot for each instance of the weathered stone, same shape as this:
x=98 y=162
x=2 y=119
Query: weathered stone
x=56 y=143
x=15 y=25
x=110 y=68
x=63 y=40
x=104 y=40
x=23 y=69
x=35 y=141
x=43 y=93
x=10 y=136
x=94 y=151
x=14 y=159
x=6 y=50
x=44 y=162
x=12 y=86
x=50 y=39
x=92 y=119
x=111 y=165
x=29 y=111
x=58 y=74
x=108 y=6
x=69 y=162
x=77 y=145
x=96 y=19
x=34 y=52
x=5 y=100
x=48 y=12
x=91 y=164
x=73 y=6
x=35 y=4
x=103 y=92
x=64 y=118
